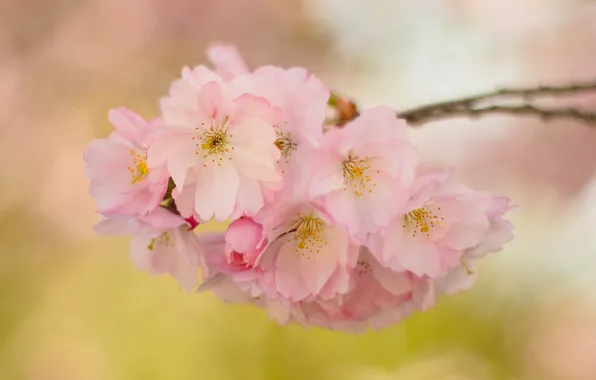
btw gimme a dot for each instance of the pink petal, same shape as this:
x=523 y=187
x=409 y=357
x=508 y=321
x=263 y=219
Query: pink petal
x=128 y=124
x=250 y=197
x=377 y=124
x=416 y=254
x=317 y=270
x=251 y=106
x=342 y=206
x=204 y=196
x=185 y=200
x=426 y=184
x=252 y=130
x=255 y=164
x=288 y=278
x=177 y=151
x=212 y=101
x=200 y=76
x=324 y=172
x=457 y=280
x=225 y=187
x=499 y=233
x=139 y=253
x=384 y=202
x=467 y=225
x=227 y=60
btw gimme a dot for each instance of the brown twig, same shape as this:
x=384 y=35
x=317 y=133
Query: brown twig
x=474 y=106
x=545 y=114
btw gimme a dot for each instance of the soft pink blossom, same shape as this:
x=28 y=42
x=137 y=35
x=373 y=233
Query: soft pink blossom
x=378 y=298
x=300 y=95
x=500 y=232
x=363 y=170
x=218 y=146
x=121 y=182
x=162 y=243
x=441 y=222
x=176 y=252
x=303 y=99
x=307 y=255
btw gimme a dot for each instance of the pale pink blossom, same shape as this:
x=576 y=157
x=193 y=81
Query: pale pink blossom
x=162 y=243
x=378 y=298
x=218 y=146
x=363 y=170
x=500 y=232
x=300 y=95
x=117 y=167
x=442 y=221
x=176 y=252
x=303 y=99
x=307 y=255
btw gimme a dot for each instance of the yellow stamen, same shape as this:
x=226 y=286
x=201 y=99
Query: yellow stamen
x=422 y=220
x=163 y=239
x=138 y=170
x=309 y=234
x=214 y=141
x=469 y=271
x=354 y=172
x=285 y=143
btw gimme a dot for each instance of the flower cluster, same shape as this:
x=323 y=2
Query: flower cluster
x=337 y=226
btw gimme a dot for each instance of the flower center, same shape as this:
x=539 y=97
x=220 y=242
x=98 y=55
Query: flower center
x=422 y=220
x=162 y=239
x=355 y=174
x=214 y=141
x=285 y=144
x=138 y=169
x=362 y=268
x=308 y=231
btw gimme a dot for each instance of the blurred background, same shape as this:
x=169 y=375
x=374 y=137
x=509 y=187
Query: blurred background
x=72 y=306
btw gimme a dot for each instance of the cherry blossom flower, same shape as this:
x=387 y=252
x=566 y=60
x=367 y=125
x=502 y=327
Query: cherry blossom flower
x=500 y=232
x=379 y=298
x=176 y=252
x=307 y=256
x=442 y=221
x=218 y=145
x=363 y=170
x=117 y=167
x=337 y=227
x=162 y=243
x=301 y=97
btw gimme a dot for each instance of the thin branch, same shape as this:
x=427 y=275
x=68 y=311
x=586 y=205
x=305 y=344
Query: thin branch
x=523 y=93
x=545 y=114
